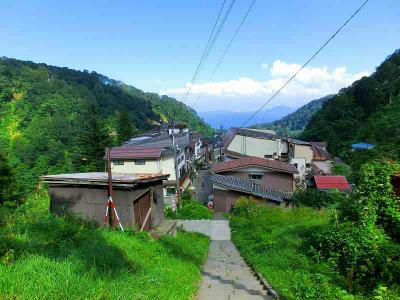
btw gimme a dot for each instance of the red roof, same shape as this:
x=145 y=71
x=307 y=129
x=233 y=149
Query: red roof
x=331 y=182
x=254 y=161
x=135 y=152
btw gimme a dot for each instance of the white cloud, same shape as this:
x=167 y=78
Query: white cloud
x=309 y=84
x=159 y=81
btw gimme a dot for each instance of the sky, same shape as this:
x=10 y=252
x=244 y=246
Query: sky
x=156 y=45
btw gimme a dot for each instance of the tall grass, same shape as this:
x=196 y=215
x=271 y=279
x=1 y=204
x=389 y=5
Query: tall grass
x=274 y=241
x=47 y=257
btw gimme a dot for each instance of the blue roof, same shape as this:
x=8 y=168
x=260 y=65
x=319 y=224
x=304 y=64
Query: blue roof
x=362 y=146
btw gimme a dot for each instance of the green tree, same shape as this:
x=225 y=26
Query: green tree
x=8 y=184
x=125 y=129
x=92 y=141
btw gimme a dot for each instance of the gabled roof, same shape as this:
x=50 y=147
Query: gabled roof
x=320 y=154
x=331 y=182
x=249 y=187
x=319 y=144
x=135 y=152
x=252 y=161
x=161 y=140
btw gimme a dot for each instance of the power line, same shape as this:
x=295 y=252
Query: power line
x=226 y=50
x=210 y=44
x=306 y=63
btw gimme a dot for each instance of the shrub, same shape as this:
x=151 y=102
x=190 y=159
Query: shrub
x=313 y=198
x=245 y=206
x=190 y=210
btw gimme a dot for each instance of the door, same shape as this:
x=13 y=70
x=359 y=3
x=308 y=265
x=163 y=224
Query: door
x=141 y=207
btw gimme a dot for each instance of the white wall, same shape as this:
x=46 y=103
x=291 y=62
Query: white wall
x=325 y=166
x=150 y=166
x=255 y=147
x=301 y=165
x=303 y=151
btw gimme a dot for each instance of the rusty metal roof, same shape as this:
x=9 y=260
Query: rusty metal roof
x=101 y=178
x=320 y=154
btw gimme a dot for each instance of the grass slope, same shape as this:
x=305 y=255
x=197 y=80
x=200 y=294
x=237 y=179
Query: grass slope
x=272 y=240
x=47 y=257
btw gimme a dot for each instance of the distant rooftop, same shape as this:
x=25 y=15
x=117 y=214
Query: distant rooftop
x=359 y=146
x=331 y=182
x=252 y=161
x=136 y=152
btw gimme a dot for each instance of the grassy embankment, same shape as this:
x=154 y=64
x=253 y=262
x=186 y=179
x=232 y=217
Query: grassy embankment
x=274 y=241
x=47 y=257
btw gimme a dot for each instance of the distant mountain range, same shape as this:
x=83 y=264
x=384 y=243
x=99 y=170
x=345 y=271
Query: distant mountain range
x=228 y=119
x=295 y=122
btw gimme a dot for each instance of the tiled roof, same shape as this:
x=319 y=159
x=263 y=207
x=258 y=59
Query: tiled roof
x=320 y=153
x=135 y=152
x=249 y=187
x=250 y=161
x=331 y=182
x=234 y=154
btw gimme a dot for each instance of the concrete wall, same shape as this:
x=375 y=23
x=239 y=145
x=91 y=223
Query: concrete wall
x=301 y=165
x=276 y=180
x=255 y=147
x=303 y=151
x=129 y=166
x=325 y=166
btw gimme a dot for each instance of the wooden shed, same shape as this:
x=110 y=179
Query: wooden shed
x=86 y=194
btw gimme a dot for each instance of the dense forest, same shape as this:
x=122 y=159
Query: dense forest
x=56 y=119
x=293 y=124
x=367 y=111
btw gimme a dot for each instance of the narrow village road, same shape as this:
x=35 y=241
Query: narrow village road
x=225 y=274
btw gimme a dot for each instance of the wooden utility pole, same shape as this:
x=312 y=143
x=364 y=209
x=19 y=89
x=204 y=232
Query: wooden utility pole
x=177 y=185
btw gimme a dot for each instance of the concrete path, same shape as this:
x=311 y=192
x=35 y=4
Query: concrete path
x=225 y=273
x=217 y=230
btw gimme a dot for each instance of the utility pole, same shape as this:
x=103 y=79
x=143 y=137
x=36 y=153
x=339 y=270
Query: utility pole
x=110 y=187
x=177 y=185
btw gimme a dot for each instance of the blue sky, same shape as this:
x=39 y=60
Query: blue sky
x=155 y=45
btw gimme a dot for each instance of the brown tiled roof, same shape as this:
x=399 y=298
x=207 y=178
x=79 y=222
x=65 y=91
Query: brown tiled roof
x=135 y=152
x=319 y=153
x=254 y=161
x=249 y=187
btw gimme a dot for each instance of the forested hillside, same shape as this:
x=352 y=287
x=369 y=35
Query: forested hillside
x=294 y=123
x=56 y=119
x=367 y=111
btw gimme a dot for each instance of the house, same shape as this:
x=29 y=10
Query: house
x=86 y=194
x=328 y=183
x=259 y=143
x=228 y=189
x=322 y=158
x=362 y=146
x=149 y=160
x=271 y=173
x=196 y=146
x=271 y=181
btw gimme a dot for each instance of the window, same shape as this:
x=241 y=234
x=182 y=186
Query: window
x=255 y=176
x=118 y=162
x=170 y=191
x=308 y=165
x=140 y=162
x=296 y=166
x=267 y=156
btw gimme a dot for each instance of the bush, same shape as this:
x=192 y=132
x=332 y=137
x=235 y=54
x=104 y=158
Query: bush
x=314 y=198
x=245 y=206
x=190 y=210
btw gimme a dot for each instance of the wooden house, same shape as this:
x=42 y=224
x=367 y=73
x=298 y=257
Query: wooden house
x=86 y=194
